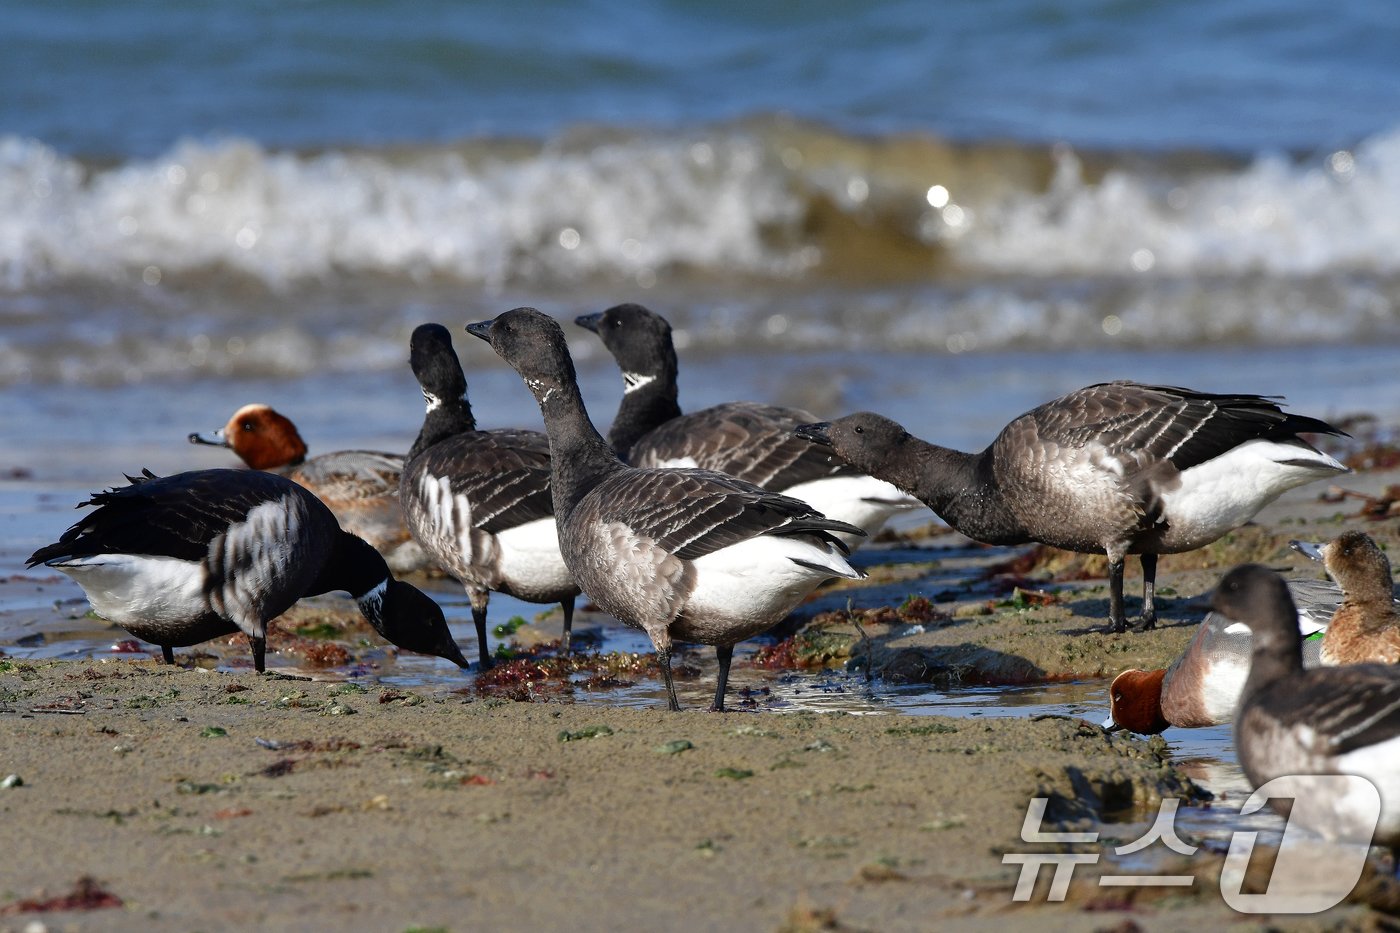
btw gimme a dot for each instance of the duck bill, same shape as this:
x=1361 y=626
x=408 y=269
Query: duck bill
x=216 y=439
x=1310 y=551
x=481 y=329
x=817 y=433
x=1108 y=725
x=589 y=321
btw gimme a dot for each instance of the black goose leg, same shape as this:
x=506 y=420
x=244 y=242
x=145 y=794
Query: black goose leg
x=1117 y=620
x=1149 y=594
x=259 y=652
x=479 y=599
x=567 y=604
x=725 y=653
x=664 y=657
x=168 y=653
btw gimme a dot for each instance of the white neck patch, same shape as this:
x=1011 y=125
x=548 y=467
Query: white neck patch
x=539 y=385
x=432 y=401
x=631 y=382
x=372 y=603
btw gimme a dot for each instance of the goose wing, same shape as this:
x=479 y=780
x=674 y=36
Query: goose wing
x=1145 y=425
x=172 y=516
x=691 y=513
x=504 y=475
x=744 y=439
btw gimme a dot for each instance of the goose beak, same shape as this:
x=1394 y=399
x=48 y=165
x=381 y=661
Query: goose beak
x=481 y=329
x=589 y=321
x=1310 y=551
x=816 y=433
x=218 y=439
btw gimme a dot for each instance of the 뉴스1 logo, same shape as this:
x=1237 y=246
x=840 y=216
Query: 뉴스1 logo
x=1296 y=886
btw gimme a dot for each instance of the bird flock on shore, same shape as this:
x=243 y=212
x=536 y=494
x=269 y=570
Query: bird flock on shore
x=709 y=527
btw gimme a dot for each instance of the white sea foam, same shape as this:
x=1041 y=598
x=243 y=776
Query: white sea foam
x=1278 y=216
x=280 y=218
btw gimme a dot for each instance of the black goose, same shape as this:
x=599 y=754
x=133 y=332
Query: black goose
x=749 y=440
x=478 y=501
x=1117 y=468
x=1319 y=721
x=181 y=559
x=685 y=555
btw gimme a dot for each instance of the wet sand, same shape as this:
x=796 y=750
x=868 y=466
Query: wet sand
x=202 y=799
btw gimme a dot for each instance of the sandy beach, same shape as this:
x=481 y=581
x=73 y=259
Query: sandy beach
x=183 y=798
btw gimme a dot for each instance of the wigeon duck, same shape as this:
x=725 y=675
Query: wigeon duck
x=1117 y=468
x=1322 y=721
x=684 y=554
x=361 y=487
x=1366 y=626
x=181 y=559
x=1202 y=686
x=478 y=501
x=745 y=439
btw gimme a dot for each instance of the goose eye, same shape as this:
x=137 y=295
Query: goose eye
x=860 y=430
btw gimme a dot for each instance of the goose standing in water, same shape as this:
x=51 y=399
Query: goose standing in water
x=1117 y=468
x=478 y=501
x=685 y=554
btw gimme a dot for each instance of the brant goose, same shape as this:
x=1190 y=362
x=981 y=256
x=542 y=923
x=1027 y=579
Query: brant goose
x=478 y=501
x=1327 y=720
x=745 y=439
x=1117 y=468
x=683 y=554
x=361 y=487
x=1202 y=686
x=177 y=560
x=1366 y=626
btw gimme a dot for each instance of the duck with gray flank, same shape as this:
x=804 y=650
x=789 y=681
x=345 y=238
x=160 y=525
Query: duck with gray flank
x=361 y=487
x=1317 y=722
x=178 y=560
x=752 y=441
x=1202 y=686
x=1116 y=468
x=1366 y=626
x=479 y=501
x=684 y=554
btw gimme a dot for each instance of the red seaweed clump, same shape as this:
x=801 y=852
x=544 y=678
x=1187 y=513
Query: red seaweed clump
x=539 y=673
x=87 y=894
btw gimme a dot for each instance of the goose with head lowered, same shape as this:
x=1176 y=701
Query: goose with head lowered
x=1117 y=468
x=181 y=559
x=684 y=554
x=361 y=487
x=1316 y=722
x=479 y=501
x=752 y=441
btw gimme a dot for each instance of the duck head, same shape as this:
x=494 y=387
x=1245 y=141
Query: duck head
x=1135 y=702
x=1356 y=562
x=262 y=437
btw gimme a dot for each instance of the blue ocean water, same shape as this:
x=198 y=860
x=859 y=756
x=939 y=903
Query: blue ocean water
x=122 y=79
